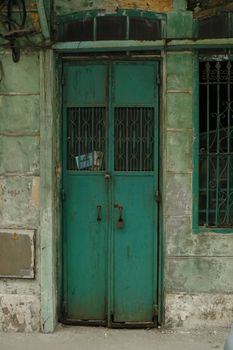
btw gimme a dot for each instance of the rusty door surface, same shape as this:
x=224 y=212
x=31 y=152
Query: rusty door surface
x=110 y=179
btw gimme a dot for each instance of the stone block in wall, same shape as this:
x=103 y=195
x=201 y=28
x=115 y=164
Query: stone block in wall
x=19 y=201
x=19 y=154
x=19 y=313
x=179 y=151
x=179 y=71
x=199 y=275
x=19 y=113
x=17 y=257
x=180 y=241
x=180 y=25
x=179 y=110
x=198 y=310
x=24 y=76
x=178 y=194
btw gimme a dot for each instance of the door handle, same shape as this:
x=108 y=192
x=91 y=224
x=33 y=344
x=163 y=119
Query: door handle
x=120 y=222
x=98 y=213
x=107 y=175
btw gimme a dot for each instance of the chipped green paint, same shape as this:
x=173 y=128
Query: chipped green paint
x=16 y=205
x=179 y=110
x=182 y=242
x=47 y=192
x=26 y=71
x=180 y=4
x=179 y=25
x=178 y=193
x=19 y=114
x=200 y=275
x=179 y=151
x=19 y=154
x=179 y=71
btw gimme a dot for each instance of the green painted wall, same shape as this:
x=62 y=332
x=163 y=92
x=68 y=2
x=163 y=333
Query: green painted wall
x=196 y=265
x=19 y=180
x=198 y=270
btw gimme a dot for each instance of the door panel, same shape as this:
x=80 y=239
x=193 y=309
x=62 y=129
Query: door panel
x=135 y=104
x=85 y=215
x=85 y=248
x=134 y=275
x=134 y=83
x=85 y=84
x=110 y=176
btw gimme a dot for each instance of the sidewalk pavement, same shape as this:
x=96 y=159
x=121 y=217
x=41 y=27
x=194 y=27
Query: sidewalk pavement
x=94 y=338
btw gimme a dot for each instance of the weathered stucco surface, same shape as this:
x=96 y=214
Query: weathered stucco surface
x=19 y=313
x=19 y=181
x=198 y=267
x=198 y=310
x=112 y=5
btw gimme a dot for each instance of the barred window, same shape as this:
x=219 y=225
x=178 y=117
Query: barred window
x=216 y=144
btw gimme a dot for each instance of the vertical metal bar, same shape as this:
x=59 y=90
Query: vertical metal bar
x=229 y=24
x=75 y=138
x=79 y=131
x=228 y=140
x=207 y=141
x=111 y=115
x=218 y=66
x=140 y=144
x=71 y=148
x=94 y=29
x=127 y=27
x=67 y=122
x=127 y=139
x=92 y=136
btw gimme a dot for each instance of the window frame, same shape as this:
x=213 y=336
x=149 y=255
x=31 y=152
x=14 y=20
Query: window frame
x=196 y=228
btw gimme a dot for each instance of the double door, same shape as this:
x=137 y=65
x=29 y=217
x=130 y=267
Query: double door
x=110 y=182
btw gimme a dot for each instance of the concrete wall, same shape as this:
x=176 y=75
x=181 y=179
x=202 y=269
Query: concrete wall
x=198 y=268
x=19 y=181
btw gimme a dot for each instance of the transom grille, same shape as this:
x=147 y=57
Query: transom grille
x=216 y=144
x=86 y=138
x=134 y=139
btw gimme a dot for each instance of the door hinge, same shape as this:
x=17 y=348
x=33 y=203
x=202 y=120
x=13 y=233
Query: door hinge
x=63 y=79
x=158 y=79
x=156 y=310
x=64 y=309
x=63 y=195
x=157 y=196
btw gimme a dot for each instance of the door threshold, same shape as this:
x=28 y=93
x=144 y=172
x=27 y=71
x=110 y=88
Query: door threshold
x=133 y=325
x=88 y=323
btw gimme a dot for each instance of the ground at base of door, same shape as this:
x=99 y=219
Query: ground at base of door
x=97 y=338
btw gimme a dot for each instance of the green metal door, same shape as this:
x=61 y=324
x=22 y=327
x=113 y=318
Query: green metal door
x=110 y=182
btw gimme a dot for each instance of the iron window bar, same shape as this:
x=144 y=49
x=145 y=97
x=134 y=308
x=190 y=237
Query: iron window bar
x=216 y=144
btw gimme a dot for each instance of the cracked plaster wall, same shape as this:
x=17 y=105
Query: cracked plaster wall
x=198 y=268
x=19 y=181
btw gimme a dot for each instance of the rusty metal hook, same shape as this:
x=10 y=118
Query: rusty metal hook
x=98 y=213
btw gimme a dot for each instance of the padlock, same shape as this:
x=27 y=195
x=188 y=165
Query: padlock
x=120 y=223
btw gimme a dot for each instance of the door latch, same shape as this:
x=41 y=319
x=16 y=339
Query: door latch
x=98 y=213
x=120 y=222
x=107 y=176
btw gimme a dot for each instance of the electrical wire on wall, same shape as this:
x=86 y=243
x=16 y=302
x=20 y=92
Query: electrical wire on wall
x=13 y=20
x=16 y=13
